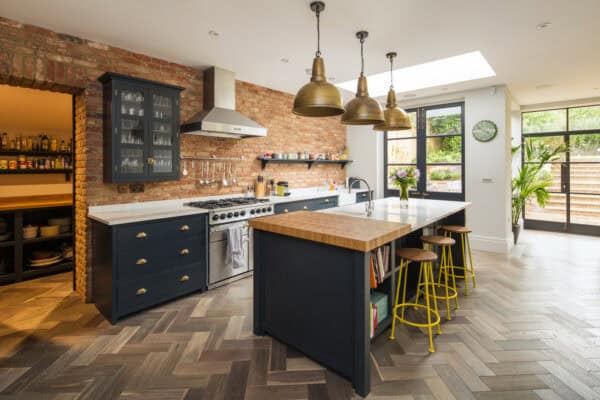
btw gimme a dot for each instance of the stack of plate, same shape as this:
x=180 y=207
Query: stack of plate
x=64 y=223
x=44 y=259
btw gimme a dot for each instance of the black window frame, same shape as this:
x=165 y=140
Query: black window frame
x=421 y=161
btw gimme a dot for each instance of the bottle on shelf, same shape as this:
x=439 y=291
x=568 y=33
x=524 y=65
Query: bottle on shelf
x=18 y=143
x=63 y=146
x=45 y=143
x=4 y=141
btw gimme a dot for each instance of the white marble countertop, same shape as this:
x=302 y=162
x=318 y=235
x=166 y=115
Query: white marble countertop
x=420 y=212
x=116 y=214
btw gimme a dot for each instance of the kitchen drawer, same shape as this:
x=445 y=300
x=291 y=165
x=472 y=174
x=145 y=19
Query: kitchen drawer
x=362 y=197
x=292 y=206
x=321 y=204
x=148 y=291
x=156 y=232
x=147 y=260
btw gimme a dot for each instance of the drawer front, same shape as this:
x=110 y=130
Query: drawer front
x=149 y=260
x=149 y=291
x=321 y=204
x=153 y=233
x=292 y=206
x=362 y=197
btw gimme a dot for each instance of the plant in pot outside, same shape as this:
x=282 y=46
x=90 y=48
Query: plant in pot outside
x=532 y=181
x=404 y=178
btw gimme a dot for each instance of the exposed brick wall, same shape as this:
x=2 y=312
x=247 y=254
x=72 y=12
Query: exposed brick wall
x=35 y=57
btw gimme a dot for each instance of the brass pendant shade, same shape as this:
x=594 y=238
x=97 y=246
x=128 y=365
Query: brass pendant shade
x=362 y=110
x=318 y=98
x=395 y=118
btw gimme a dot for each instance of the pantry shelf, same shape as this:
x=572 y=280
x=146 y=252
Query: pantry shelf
x=266 y=161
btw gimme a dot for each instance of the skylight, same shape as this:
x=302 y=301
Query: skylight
x=461 y=68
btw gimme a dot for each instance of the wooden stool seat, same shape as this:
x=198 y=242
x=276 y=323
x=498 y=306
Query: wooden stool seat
x=438 y=240
x=416 y=254
x=456 y=229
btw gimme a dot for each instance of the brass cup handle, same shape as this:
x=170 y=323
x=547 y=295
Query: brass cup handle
x=184 y=252
x=150 y=161
x=141 y=261
x=184 y=278
x=141 y=291
x=184 y=228
x=285 y=210
x=141 y=235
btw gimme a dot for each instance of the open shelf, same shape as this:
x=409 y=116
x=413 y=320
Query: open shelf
x=62 y=266
x=7 y=243
x=48 y=238
x=382 y=326
x=265 y=161
x=36 y=171
x=35 y=153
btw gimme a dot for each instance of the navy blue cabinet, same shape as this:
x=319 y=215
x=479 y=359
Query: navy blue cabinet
x=312 y=204
x=141 y=130
x=142 y=264
x=362 y=197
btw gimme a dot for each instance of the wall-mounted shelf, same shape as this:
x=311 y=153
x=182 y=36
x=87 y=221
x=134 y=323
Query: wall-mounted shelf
x=35 y=153
x=265 y=161
x=66 y=171
x=214 y=158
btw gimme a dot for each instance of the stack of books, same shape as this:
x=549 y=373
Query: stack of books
x=380 y=265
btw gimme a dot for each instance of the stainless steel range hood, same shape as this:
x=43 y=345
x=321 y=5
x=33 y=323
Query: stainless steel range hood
x=219 y=117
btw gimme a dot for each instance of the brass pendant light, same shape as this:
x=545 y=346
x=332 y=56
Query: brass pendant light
x=396 y=119
x=362 y=110
x=318 y=98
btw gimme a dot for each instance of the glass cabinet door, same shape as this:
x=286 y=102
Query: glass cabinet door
x=131 y=155
x=164 y=134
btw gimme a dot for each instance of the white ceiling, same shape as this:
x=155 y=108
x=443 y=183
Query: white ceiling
x=256 y=35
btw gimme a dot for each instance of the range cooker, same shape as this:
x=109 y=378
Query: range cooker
x=223 y=215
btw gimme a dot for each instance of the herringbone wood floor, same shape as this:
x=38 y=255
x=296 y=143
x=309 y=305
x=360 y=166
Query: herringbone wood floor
x=531 y=330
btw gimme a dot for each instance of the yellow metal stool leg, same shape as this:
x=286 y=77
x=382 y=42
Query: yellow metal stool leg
x=471 y=261
x=404 y=288
x=434 y=295
x=443 y=266
x=429 y=330
x=452 y=274
x=396 y=300
x=462 y=245
x=418 y=286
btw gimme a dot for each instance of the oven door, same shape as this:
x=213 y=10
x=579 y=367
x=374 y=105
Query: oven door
x=218 y=268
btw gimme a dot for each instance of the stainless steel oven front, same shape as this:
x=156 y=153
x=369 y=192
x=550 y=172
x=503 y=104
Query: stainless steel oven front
x=219 y=270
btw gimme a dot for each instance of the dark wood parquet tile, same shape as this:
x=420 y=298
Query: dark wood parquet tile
x=531 y=330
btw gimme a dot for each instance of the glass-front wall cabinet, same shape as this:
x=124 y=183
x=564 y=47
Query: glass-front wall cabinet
x=141 y=123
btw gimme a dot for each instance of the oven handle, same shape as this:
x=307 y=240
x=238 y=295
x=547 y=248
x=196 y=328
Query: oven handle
x=219 y=228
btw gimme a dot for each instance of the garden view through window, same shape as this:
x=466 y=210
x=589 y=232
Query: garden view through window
x=435 y=146
x=574 y=177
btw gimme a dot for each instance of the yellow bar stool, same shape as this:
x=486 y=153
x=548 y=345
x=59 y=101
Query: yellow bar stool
x=448 y=290
x=468 y=272
x=425 y=258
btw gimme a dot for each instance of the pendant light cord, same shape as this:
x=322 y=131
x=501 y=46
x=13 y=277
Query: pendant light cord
x=391 y=73
x=362 y=57
x=318 y=54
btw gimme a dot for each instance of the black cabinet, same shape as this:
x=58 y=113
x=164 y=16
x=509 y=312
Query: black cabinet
x=141 y=130
x=312 y=204
x=138 y=265
x=362 y=197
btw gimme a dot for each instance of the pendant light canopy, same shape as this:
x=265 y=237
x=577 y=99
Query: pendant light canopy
x=396 y=119
x=362 y=110
x=318 y=98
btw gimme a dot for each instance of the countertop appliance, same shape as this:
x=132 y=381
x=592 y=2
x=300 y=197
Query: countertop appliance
x=219 y=117
x=225 y=214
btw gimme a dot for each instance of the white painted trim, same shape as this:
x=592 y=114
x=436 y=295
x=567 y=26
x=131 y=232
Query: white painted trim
x=490 y=243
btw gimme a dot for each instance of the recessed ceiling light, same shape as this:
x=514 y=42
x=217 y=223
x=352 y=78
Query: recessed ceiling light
x=462 y=68
x=543 y=86
x=409 y=95
x=285 y=60
x=214 y=34
x=543 y=25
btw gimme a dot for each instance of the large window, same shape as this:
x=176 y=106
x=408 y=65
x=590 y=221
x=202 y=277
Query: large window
x=574 y=204
x=435 y=146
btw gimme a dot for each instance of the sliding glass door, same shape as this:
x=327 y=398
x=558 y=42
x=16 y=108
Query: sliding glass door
x=574 y=204
x=435 y=145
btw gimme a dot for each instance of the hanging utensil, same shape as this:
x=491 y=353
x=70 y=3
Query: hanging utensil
x=224 y=179
x=185 y=171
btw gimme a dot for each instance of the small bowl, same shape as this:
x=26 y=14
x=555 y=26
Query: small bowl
x=49 y=230
x=30 y=232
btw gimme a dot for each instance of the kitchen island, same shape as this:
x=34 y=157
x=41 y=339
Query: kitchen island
x=312 y=277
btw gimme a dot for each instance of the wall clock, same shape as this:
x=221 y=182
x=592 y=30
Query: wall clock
x=485 y=130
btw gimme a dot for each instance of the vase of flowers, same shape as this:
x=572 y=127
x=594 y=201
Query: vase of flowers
x=405 y=178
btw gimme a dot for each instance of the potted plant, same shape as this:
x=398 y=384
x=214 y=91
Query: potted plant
x=532 y=181
x=405 y=178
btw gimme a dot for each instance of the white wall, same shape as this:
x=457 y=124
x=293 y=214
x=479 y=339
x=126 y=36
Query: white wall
x=487 y=165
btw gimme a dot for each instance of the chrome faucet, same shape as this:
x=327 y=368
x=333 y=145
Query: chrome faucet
x=369 y=206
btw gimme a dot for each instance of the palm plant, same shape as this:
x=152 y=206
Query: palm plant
x=531 y=181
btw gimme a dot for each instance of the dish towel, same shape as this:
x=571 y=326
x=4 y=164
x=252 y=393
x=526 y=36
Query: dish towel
x=235 y=248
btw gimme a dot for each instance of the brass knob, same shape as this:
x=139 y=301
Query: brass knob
x=184 y=228
x=141 y=261
x=150 y=161
x=141 y=235
x=141 y=292
x=286 y=210
x=184 y=278
x=305 y=207
x=184 y=252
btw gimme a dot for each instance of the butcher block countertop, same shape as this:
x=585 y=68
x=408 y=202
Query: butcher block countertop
x=27 y=202
x=353 y=233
